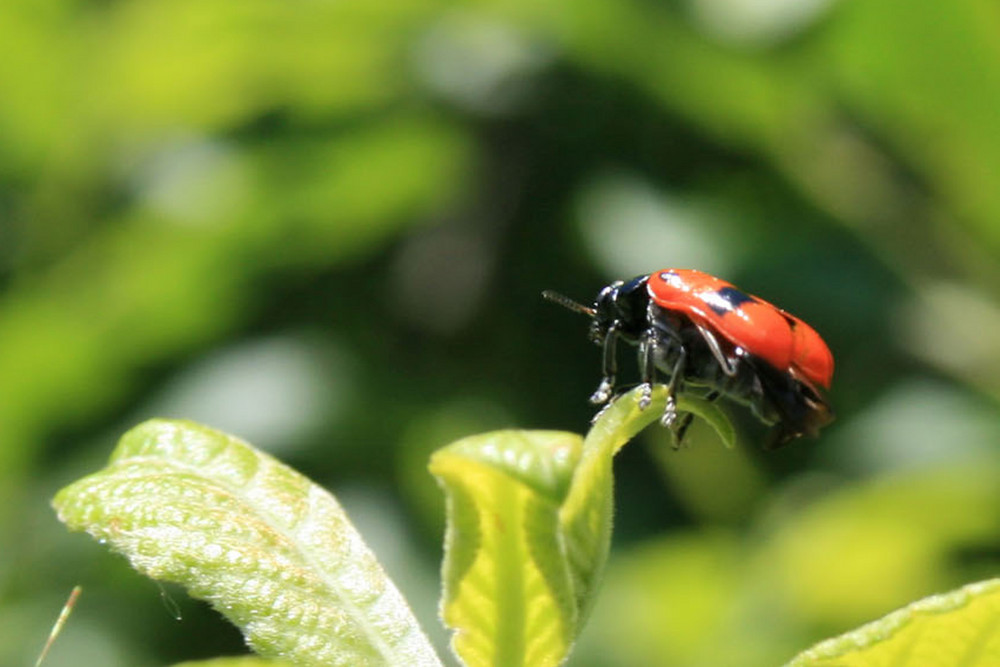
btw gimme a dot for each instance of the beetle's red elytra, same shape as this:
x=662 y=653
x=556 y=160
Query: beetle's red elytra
x=709 y=337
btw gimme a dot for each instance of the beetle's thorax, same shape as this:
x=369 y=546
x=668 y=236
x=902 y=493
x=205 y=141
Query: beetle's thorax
x=624 y=305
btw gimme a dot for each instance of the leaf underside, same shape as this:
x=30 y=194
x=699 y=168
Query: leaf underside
x=265 y=546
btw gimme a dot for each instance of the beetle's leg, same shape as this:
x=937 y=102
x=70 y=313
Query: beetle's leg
x=673 y=386
x=647 y=366
x=728 y=366
x=685 y=422
x=609 y=366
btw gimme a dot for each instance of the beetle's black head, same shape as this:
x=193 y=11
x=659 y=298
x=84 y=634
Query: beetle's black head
x=624 y=303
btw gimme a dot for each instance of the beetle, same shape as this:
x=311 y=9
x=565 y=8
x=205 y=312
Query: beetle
x=711 y=338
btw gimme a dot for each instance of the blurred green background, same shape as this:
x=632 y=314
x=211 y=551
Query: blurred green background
x=324 y=227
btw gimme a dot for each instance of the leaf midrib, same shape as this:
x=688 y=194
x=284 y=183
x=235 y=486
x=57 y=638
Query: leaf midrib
x=510 y=576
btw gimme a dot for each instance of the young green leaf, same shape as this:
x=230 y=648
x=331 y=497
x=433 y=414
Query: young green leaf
x=506 y=589
x=528 y=532
x=586 y=513
x=269 y=549
x=956 y=629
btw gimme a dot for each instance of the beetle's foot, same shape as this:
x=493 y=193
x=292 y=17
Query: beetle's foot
x=603 y=392
x=645 y=395
x=669 y=412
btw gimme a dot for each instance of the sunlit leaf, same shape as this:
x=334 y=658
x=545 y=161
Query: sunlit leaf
x=586 y=514
x=268 y=548
x=507 y=591
x=956 y=629
x=529 y=530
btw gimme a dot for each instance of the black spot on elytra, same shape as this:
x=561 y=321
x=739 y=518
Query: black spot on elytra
x=729 y=299
x=734 y=296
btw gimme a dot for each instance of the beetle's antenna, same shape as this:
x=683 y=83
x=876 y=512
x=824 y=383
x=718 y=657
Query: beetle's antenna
x=567 y=302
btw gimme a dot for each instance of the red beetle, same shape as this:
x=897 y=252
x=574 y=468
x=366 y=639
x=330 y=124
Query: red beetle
x=704 y=333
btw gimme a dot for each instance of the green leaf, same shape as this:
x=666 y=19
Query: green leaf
x=956 y=629
x=269 y=549
x=586 y=513
x=713 y=415
x=529 y=530
x=506 y=589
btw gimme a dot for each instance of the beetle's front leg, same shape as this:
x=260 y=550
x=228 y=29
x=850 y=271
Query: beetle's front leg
x=609 y=366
